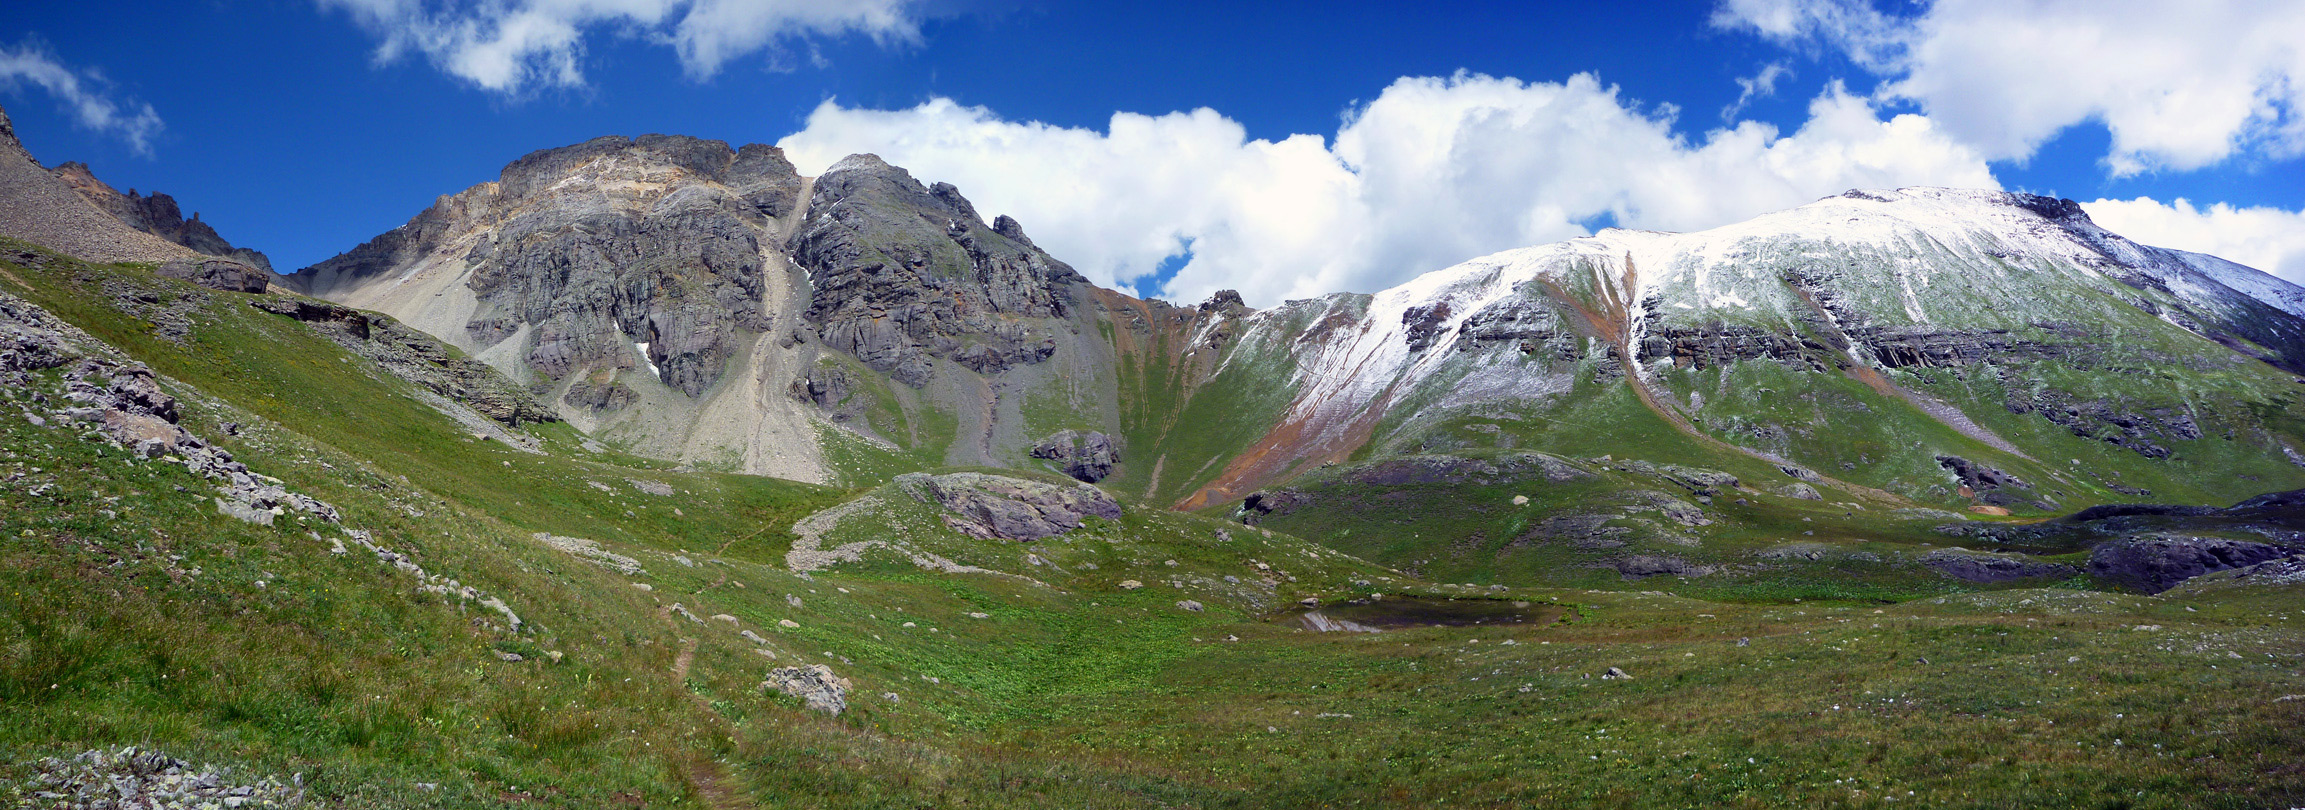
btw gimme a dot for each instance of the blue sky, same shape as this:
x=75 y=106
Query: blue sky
x=1296 y=148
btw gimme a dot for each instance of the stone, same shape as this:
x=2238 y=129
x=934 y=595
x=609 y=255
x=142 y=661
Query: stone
x=1983 y=568
x=999 y=507
x=1130 y=584
x=1086 y=456
x=815 y=684
x=217 y=274
x=1190 y=605
x=1800 y=492
x=2157 y=562
x=906 y=275
x=788 y=624
x=1615 y=674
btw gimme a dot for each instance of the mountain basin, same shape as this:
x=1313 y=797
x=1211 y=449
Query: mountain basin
x=1398 y=613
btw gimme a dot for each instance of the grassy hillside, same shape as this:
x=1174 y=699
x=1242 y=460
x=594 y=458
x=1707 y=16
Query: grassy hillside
x=137 y=614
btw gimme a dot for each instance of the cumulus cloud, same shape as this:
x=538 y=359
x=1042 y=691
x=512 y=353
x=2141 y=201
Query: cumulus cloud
x=83 y=92
x=1432 y=172
x=513 y=45
x=2180 y=84
x=2269 y=239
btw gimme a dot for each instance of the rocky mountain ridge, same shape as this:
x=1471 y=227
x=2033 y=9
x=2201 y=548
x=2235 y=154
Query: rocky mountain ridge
x=695 y=300
x=156 y=214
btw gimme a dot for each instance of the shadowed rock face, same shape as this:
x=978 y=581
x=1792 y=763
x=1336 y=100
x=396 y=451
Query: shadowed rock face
x=2156 y=563
x=1087 y=457
x=904 y=274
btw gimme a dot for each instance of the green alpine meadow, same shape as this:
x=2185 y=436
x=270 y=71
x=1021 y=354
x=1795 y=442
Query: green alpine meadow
x=652 y=471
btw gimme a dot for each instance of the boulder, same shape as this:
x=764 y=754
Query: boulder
x=1800 y=492
x=1087 y=456
x=815 y=684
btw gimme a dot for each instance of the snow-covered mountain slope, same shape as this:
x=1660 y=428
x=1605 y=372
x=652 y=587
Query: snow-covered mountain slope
x=1871 y=287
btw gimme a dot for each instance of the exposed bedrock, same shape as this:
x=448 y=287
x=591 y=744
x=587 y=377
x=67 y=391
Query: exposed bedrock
x=999 y=507
x=217 y=274
x=1087 y=456
x=905 y=274
x=2157 y=562
x=416 y=357
x=1984 y=568
x=657 y=240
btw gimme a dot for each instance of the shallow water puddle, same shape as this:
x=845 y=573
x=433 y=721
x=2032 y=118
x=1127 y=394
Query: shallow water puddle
x=1400 y=613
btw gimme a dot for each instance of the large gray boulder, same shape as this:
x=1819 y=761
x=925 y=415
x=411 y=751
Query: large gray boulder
x=815 y=684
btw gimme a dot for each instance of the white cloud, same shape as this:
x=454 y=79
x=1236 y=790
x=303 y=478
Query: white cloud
x=1759 y=85
x=1432 y=172
x=84 y=92
x=2180 y=84
x=2269 y=239
x=513 y=45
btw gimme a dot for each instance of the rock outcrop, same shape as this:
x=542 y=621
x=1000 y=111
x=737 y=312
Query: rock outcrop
x=37 y=207
x=2157 y=562
x=416 y=357
x=217 y=274
x=906 y=274
x=1985 y=568
x=158 y=215
x=999 y=507
x=815 y=684
x=1087 y=456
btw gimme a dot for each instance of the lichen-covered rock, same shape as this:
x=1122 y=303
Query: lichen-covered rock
x=1799 y=491
x=815 y=684
x=994 y=506
x=1698 y=479
x=1087 y=456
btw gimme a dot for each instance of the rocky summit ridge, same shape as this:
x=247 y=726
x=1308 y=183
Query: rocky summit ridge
x=695 y=300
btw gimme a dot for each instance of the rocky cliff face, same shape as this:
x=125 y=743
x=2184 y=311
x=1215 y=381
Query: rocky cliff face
x=691 y=296
x=37 y=207
x=1834 y=335
x=696 y=300
x=905 y=274
x=156 y=214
